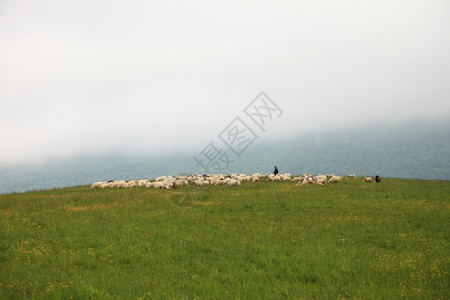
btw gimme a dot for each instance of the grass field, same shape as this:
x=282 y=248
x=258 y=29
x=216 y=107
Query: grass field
x=260 y=240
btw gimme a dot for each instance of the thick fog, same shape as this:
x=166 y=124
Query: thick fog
x=156 y=77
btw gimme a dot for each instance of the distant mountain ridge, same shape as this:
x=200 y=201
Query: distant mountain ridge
x=419 y=150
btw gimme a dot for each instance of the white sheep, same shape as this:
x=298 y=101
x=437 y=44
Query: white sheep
x=180 y=183
x=121 y=184
x=96 y=185
x=220 y=182
x=368 y=179
x=159 y=184
x=142 y=182
x=114 y=184
x=233 y=182
x=351 y=176
x=131 y=184
x=323 y=177
x=214 y=180
x=198 y=183
x=241 y=178
x=275 y=178
x=320 y=181
x=335 y=179
x=105 y=185
x=255 y=179
x=226 y=180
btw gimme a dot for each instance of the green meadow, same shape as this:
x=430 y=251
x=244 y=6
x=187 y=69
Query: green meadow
x=270 y=240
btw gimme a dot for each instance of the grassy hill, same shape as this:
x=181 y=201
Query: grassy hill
x=260 y=240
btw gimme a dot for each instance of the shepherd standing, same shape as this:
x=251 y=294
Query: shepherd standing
x=275 y=172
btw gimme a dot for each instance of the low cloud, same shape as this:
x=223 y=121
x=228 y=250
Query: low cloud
x=79 y=77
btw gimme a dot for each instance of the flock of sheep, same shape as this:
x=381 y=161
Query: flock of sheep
x=171 y=182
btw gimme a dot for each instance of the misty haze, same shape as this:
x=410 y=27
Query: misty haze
x=159 y=78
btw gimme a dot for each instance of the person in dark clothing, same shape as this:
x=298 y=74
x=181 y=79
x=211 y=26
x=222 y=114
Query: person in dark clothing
x=275 y=171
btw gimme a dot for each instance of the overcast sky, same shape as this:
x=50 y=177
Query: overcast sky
x=156 y=76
